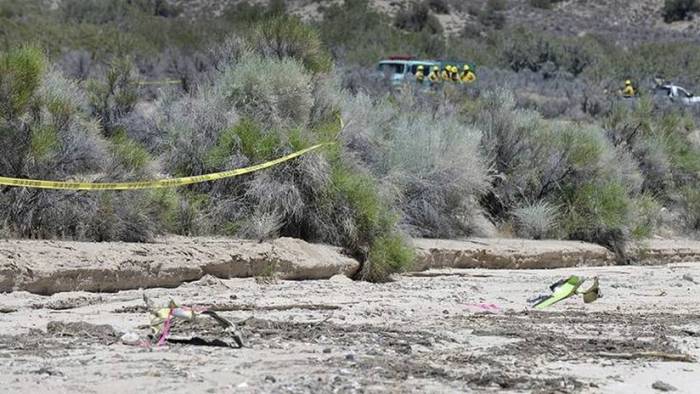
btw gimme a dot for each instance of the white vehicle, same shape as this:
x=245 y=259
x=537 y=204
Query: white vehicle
x=398 y=69
x=677 y=94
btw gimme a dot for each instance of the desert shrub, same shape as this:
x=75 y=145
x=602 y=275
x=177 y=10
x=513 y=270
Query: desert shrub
x=287 y=37
x=593 y=182
x=417 y=18
x=430 y=165
x=544 y=4
x=646 y=216
x=47 y=133
x=598 y=212
x=387 y=255
x=276 y=92
x=94 y=11
x=528 y=50
x=690 y=197
x=439 y=6
x=492 y=14
x=678 y=10
x=324 y=196
x=536 y=221
x=357 y=34
x=116 y=96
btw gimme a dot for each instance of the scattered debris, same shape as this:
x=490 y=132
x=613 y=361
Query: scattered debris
x=164 y=319
x=658 y=355
x=593 y=292
x=284 y=307
x=437 y=274
x=484 y=307
x=131 y=339
x=566 y=288
x=47 y=371
x=103 y=333
x=662 y=386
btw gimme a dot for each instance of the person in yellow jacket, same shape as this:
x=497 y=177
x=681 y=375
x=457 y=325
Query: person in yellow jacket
x=628 y=91
x=445 y=73
x=455 y=74
x=420 y=74
x=468 y=75
x=434 y=76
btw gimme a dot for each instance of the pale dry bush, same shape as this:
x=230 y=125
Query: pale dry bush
x=274 y=92
x=431 y=167
x=536 y=221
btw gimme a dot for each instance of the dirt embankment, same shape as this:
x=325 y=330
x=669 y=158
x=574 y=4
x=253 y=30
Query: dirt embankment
x=48 y=267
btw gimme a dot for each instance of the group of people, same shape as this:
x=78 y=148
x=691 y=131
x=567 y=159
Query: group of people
x=448 y=74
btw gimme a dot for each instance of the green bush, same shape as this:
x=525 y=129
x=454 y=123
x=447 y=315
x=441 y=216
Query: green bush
x=678 y=10
x=46 y=133
x=690 y=197
x=113 y=99
x=271 y=91
x=285 y=37
x=418 y=19
x=20 y=76
x=544 y=4
x=356 y=33
x=492 y=14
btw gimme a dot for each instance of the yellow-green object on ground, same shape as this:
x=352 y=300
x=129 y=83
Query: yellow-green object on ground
x=593 y=293
x=561 y=292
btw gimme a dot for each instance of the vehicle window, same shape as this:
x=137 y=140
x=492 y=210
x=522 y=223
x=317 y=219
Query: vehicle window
x=414 y=68
x=392 y=68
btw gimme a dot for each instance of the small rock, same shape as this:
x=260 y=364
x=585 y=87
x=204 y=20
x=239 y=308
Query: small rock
x=340 y=279
x=689 y=278
x=662 y=386
x=350 y=357
x=131 y=339
x=270 y=379
x=327 y=350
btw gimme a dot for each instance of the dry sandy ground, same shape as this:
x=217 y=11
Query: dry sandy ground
x=418 y=334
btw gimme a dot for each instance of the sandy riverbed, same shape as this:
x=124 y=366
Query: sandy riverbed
x=417 y=334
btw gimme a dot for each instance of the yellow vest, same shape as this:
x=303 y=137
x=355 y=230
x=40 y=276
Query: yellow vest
x=628 y=91
x=468 y=77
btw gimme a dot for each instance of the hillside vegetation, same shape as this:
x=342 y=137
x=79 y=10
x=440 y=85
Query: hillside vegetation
x=540 y=147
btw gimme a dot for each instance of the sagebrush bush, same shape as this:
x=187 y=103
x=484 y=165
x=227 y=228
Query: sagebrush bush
x=273 y=92
x=536 y=221
x=116 y=96
x=678 y=10
x=287 y=37
x=594 y=182
x=417 y=18
x=259 y=109
x=430 y=165
x=47 y=133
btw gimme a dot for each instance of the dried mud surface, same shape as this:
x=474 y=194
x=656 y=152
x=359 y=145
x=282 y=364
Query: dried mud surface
x=421 y=333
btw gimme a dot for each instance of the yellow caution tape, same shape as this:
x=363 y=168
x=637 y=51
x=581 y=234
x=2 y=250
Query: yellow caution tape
x=153 y=184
